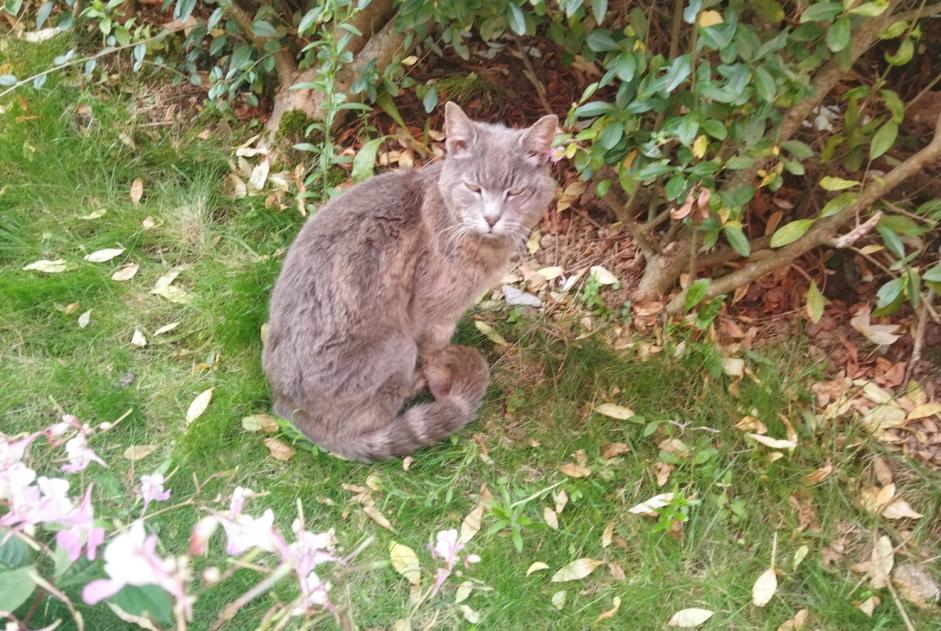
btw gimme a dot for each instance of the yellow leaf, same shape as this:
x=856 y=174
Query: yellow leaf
x=137 y=190
x=689 y=618
x=795 y=623
x=576 y=570
x=558 y=600
x=550 y=273
x=869 y=605
x=463 y=591
x=199 y=405
x=602 y=275
x=103 y=256
x=374 y=514
x=700 y=145
x=278 y=449
x=405 y=562
x=139 y=452
x=125 y=272
x=612 y=410
x=491 y=334
x=733 y=367
x=880 y=562
x=84 y=319
x=924 y=411
x=710 y=18
x=470 y=615
x=615 y=605
x=260 y=423
x=532 y=243
x=819 y=475
x=471 y=524
x=538 y=566
x=900 y=509
x=573 y=470
x=166 y=328
x=607 y=535
x=763 y=589
x=570 y=194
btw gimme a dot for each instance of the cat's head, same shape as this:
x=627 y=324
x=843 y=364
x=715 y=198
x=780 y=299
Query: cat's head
x=495 y=180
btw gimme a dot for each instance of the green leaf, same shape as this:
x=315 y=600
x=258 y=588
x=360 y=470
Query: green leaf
x=625 y=67
x=14 y=553
x=894 y=30
x=764 y=84
x=692 y=11
x=798 y=149
x=653 y=170
x=815 y=303
x=933 y=274
x=365 y=159
x=240 y=57
x=889 y=292
x=715 y=129
x=791 y=232
x=903 y=225
x=794 y=167
x=913 y=287
x=838 y=203
x=516 y=19
x=430 y=100
x=308 y=20
x=737 y=239
x=677 y=73
x=904 y=54
x=598 y=9
x=600 y=41
x=15 y=587
x=594 y=108
x=737 y=163
x=830 y=183
x=931 y=209
x=145 y=600
x=263 y=28
x=838 y=35
x=883 y=140
x=611 y=134
x=306 y=146
x=13 y=6
x=696 y=292
x=821 y=12
x=891 y=240
x=675 y=187
x=894 y=104
x=769 y=10
x=388 y=106
x=870 y=9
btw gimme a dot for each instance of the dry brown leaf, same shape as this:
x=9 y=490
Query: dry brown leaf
x=260 y=423
x=674 y=446
x=576 y=570
x=773 y=443
x=138 y=339
x=869 y=605
x=615 y=606
x=733 y=367
x=797 y=622
x=538 y=566
x=278 y=449
x=883 y=471
x=139 y=452
x=617 y=572
x=612 y=410
x=900 y=509
x=709 y=18
x=881 y=562
x=199 y=405
x=137 y=190
x=602 y=276
x=558 y=599
x=751 y=424
x=689 y=618
x=651 y=506
x=819 y=475
x=48 y=267
x=103 y=256
x=573 y=470
x=125 y=272
x=607 y=535
x=612 y=450
x=662 y=471
x=471 y=524
x=925 y=410
x=166 y=328
x=764 y=588
x=878 y=334
x=551 y=518
x=916 y=585
x=570 y=194
x=374 y=514
x=405 y=562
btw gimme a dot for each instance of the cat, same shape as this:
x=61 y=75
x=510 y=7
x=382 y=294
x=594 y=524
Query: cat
x=362 y=314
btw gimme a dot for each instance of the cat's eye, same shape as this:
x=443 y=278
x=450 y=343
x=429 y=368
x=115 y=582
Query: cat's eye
x=472 y=187
x=515 y=191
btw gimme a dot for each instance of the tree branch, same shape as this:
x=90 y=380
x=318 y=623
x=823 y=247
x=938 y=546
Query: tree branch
x=624 y=210
x=823 y=230
x=283 y=60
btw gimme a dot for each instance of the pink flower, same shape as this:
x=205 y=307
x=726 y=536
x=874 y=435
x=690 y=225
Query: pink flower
x=131 y=559
x=447 y=545
x=14 y=479
x=246 y=532
x=314 y=594
x=239 y=495
x=151 y=489
x=45 y=502
x=201 y=534
x=310 y=550
x=80 y=455
x=80 y=530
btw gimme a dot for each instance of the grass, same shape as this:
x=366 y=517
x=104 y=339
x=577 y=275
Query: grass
x=538 y=414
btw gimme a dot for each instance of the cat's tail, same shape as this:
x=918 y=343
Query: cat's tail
x=458 y=380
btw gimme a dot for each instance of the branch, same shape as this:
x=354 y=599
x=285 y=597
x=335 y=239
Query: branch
x=283 y=59
x=823 y=230
x=858 y=232
x=624 y=210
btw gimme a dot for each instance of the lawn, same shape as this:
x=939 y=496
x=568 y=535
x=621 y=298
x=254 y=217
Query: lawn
x=561 y=477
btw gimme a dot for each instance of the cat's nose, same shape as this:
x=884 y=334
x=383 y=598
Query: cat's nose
x=491 y=220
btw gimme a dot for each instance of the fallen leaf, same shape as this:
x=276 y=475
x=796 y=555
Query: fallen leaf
x=260 y=423
x=137 y=190
x=491 y=334
x=139 y=452
x=709 y=18
x=516 y=298
x=881 y=562
x=615 y=606
x=751 y=424
x=141 y=621
x=84 y=319
x=607 y=535
x=405 y=562
x=278 y=449
x=576 y=570
x=148 y=223
x=407 y=463
x=689 y=618
x=900 y=509
x=924 y=411
x=532 y=243
x=617 y=572
x=818 y=475
x=884 y=417
x=259 y=175
x=799 y=555
x=558 y=599
x=774 y=443
x=570 y=194
x=916 y=585
x=612 y=410
x=463 y=591
x=125 y=272
x=48 y=267
x=883 y=471
x=538 y=566
x=674 y=446
x=733 y=367
x=763 y=589
x=470 y=615
x=797 y=622
x=573 y=470
x=650 y=507
x=869 y=605
x=166 y=328
x=471 y=524
x=199 y=405
x=138 y=339
x=612 y=450
x=551 y=518
x=879 y=334
x=662 y=471
x=374 y=514
x=95 y=214
x=602 y=275
x=561 y=499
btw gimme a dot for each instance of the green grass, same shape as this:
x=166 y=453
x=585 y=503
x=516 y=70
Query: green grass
x=537 y=415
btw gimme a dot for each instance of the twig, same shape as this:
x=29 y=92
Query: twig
x=257 y=590
x=898 y=605
x=919 y=344
x=530 y=73
x=858 y=232
x=677 y=27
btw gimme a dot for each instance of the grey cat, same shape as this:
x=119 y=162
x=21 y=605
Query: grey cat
x=371 y=290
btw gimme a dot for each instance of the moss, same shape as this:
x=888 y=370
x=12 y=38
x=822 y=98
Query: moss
x=293 y=124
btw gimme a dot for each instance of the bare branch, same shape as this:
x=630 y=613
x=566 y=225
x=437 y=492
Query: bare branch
x=625 y=210
x=858 y=232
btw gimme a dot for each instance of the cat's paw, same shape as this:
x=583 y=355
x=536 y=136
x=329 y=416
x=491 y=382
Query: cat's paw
x=457 y=371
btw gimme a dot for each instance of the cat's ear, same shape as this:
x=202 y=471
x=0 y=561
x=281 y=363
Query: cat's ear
x=537 y=140
x=459 y=130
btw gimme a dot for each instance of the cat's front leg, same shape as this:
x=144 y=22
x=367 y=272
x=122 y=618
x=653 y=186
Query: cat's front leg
x=433 y=340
